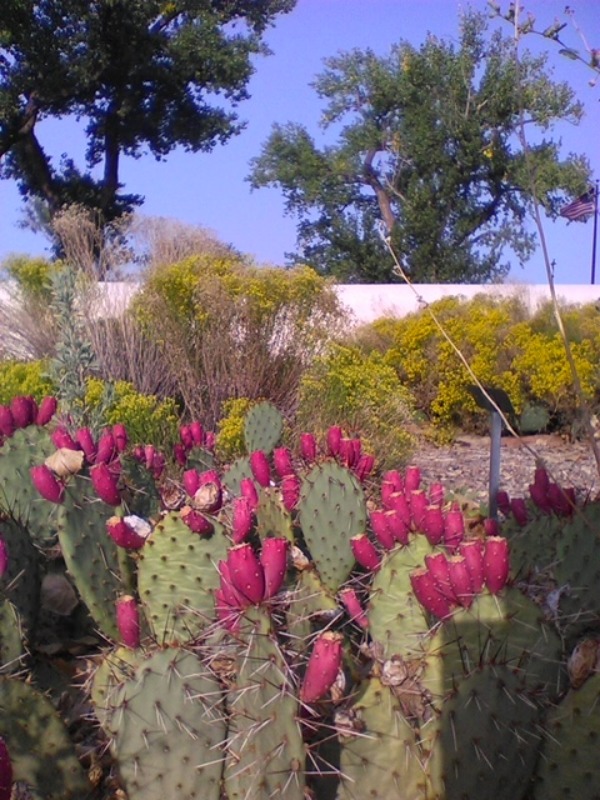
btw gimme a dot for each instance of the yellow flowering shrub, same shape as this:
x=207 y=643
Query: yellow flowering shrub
x=230 y=442
x=24 y=378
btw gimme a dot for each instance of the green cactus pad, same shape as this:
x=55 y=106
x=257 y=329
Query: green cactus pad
x=90 y=554
x=139 y=489
x=40 y=749
x=12 y=649
x=169 y=729
x=177 y=574
x=396 y=619
x=265 y=748
x=271 y=517
x=200 y=459
x=533 y=547
x=380 y=759
x=21 y=583
x=263 y=427
x=116 y=668
x=569 y=768
x=331 y=510
x=486 y=739
x=239 y=470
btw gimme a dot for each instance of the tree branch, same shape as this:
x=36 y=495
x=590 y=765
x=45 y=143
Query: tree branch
x=383 y=199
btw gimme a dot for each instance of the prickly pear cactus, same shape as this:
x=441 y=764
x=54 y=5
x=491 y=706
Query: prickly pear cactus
x=331 y=510
x=12 y=638
x=239 y=470
x=21 y=583
x=265 y=751
x=263 y=427
x=176 y=578
x=271 y=517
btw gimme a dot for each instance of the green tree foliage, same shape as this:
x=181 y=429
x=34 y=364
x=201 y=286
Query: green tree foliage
x=426 y=146
x=145 y=75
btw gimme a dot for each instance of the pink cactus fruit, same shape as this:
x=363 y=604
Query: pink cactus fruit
x=418 y=502
x=227 y=614
x=427 y=593
x=539 y=495
x=412 y=479
x=503 y=502
x=128 y=621
x=398 y=526
x=437 y=566
x=24 y=410
x=46 y=410
x=197 y=434
x=185 y=435
x=472 y=552
x=261 y=470
x=364 y=467
x=148 y=456
x=460 y=580
x=496 y=563
x=119 y=433
x=541 y=479
x=399 y=502
x=191 y=481
x=323 y=667
x=208 y=497
x=196 y=521
x=365 y=552
x=519 y=511
x=124 y=535
x=3 y=557
x=62 y=438
x=333 y=439
x=491 y=527
x=437 y=494
x=273 y=559
x=391 y=483
x=105 y=484
x=381 y=529
x=47 y=484
x=559 y=500
x=234 y=598
x=308 y=447
x=246 y=572
x=248 y=490
x=6 y=772
x=454 y=528
x=180 y=454
x=7 y=422
x=290 y=491
x=242 y=519
x=158 y=463
x=85 y=440
x=107 y=449
x=282 y=461
x=434 y=524
x=210 y=441
x=354 y=608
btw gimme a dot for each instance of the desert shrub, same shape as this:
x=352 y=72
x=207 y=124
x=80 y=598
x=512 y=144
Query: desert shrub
x=364 y=395
x=230 y=441
x=24 y=378
x=148 y=419
x=230 y=330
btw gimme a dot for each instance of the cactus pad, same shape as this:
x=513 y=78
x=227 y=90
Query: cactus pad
x=263 y=427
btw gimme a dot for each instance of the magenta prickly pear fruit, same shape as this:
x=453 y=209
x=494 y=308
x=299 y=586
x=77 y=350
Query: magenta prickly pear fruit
x=427 y=593
x=503 y=502
x=391 y=483
x=437 y=494
x=365 y=552
x=243 y=519
x=105 y=484
x=347 y=452
x=196 y=521
x=454 y=529
x=539 y=495
x=3 y=557
x=227 y=614
x=246 y=572
x=437 y=566
x=46 y=410
x=149 y=456
x=323 y=667
x=354 y=608
x=185 y=435
x=398 y=526
x=541 y=479
x=24 y=410
x=308 y=447
x=197 y=433
x=364 y=467
x=6 y=772
x=47 y=484
x=491 y=527
x=282 y=461
x=472 y=552
x=7 y=422
x=208 y=497
x=290 y=491
x=412 y=479
x=124 y=535
x=519 y=511
x=231 y=595
x=119 y=433
x=85 y=440
x=334 y=437
x=180 y=454
x=128 y=621
x=259 y=464
x=191 y=481
x=399 y=502
x=460 y=580
x=273 y=559
x=210 y=441
x=559 y=501
x=62 y=438
x=496 y=563
x=381 y=529
x=248 y=490
x=418 y=502
x=434 y=524
x=107 y=449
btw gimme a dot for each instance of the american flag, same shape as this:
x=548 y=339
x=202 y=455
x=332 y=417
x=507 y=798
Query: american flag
x=581 y=208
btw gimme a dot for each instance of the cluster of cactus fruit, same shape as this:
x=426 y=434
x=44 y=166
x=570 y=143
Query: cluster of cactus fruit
x=290 y=625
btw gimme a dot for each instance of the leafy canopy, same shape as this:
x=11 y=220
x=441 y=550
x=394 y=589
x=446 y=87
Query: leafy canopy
x=145 y=75
x=427 y=146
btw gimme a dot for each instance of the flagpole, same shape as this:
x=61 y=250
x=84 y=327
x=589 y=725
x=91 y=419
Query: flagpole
x=595 y=234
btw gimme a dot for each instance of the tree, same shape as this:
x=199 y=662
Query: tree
x=144 y=74
x=427 y=150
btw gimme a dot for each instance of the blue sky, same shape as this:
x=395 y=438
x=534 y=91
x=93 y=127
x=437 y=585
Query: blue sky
x=210 y=189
